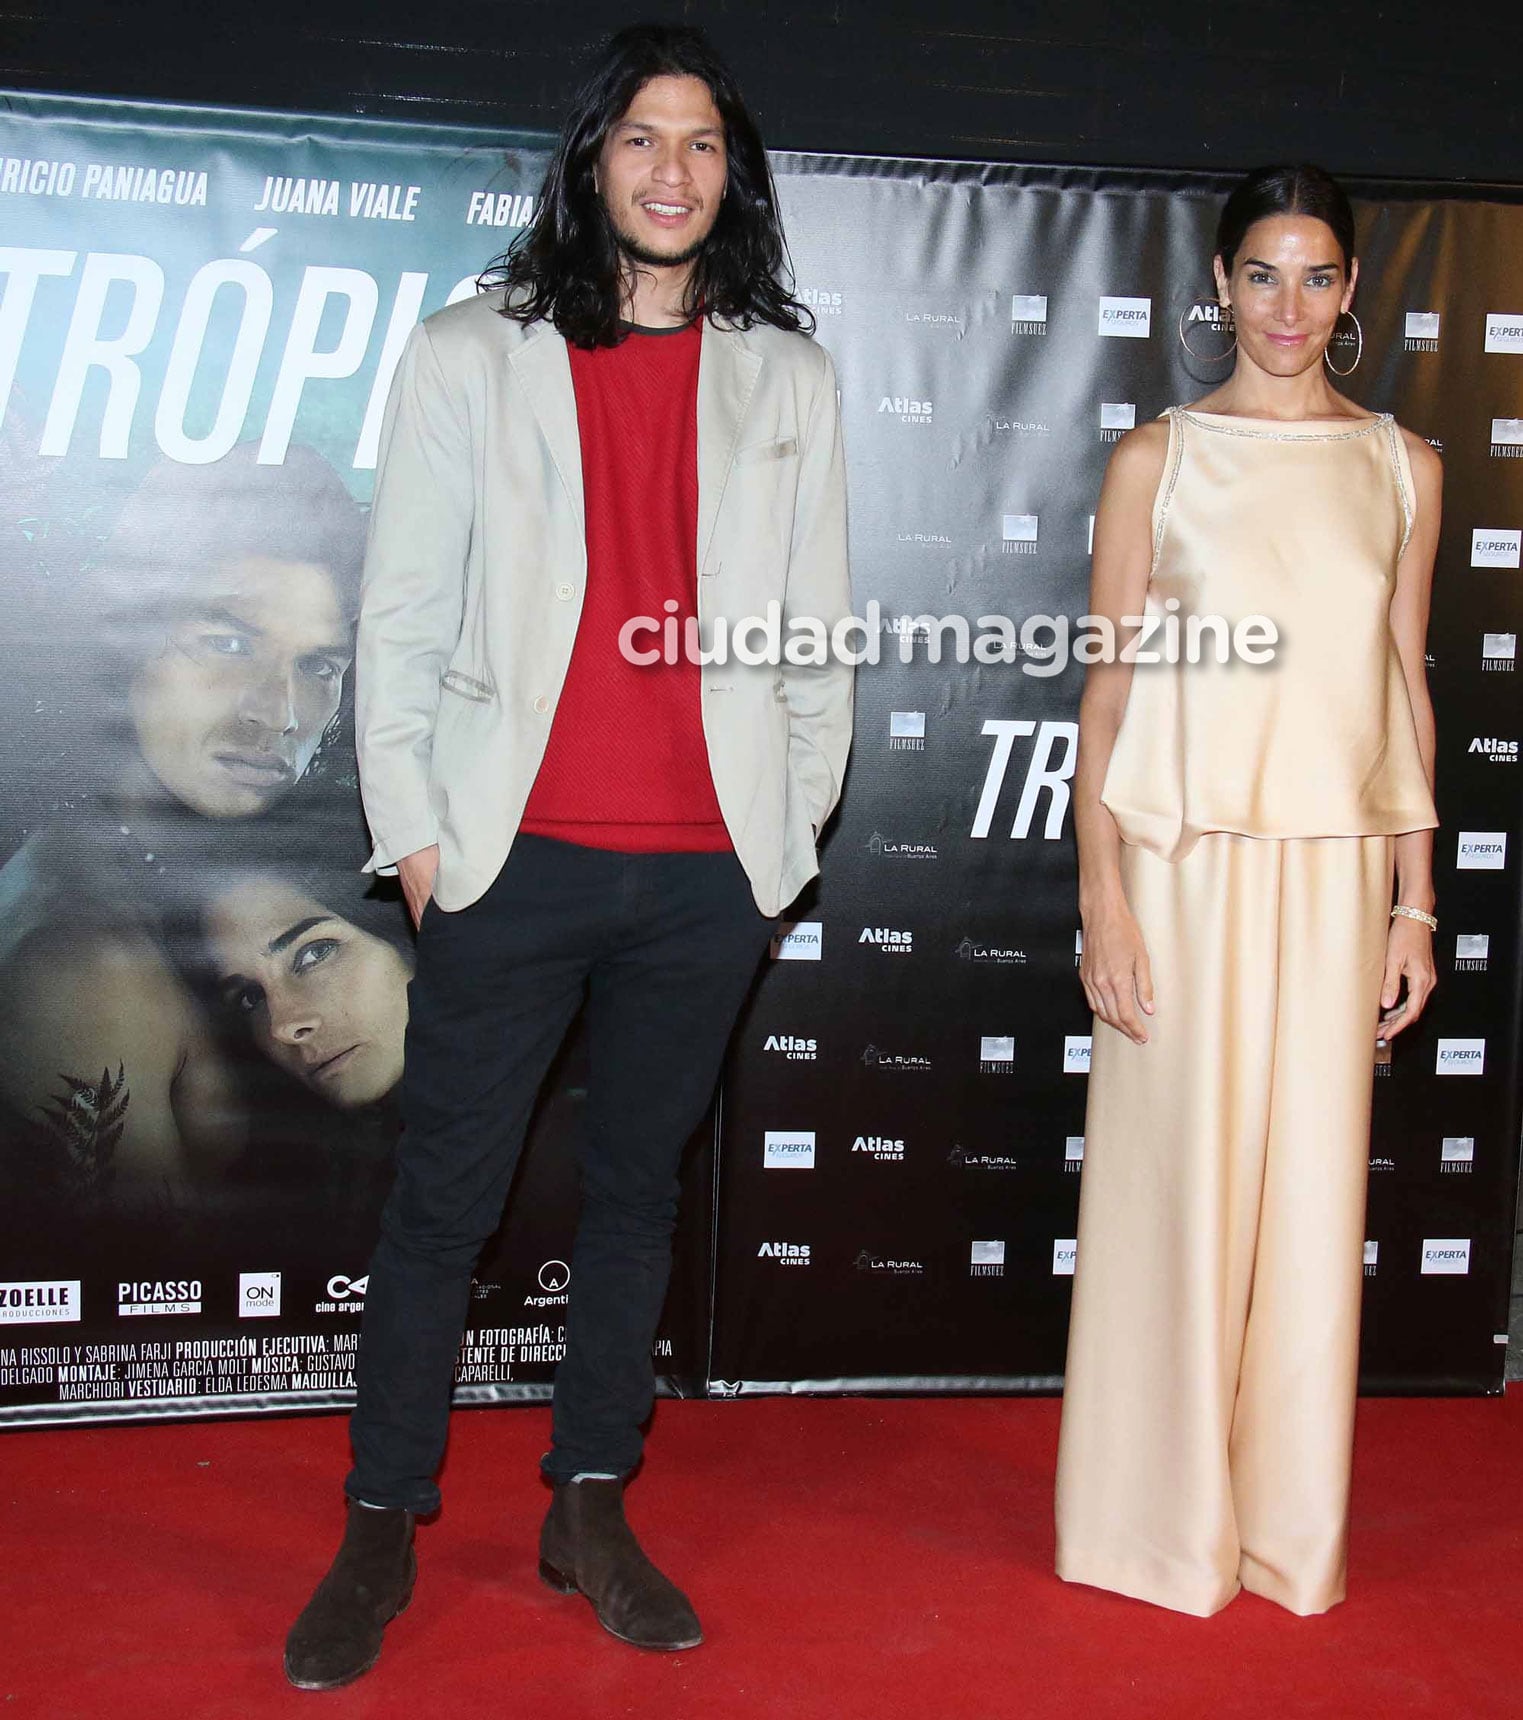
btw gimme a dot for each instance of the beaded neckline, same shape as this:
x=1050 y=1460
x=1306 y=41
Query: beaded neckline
x=1281 y=430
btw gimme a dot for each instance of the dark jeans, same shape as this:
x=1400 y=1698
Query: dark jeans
x=663 y=947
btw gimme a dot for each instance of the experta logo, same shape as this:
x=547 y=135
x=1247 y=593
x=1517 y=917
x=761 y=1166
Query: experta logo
x=39 y=1302
x=788 y=1150
x=1504 y=331
x=1028 y=313
x=1131 y=318
x=1421 y=331
x=798 y=941
x=1461 y=1057
x=158 y=1296
x=258 y=1295
x=1065 y=1254
x=1076 y=1049
x=1495 y=546
x=1482 y=851
x=1446 y=1255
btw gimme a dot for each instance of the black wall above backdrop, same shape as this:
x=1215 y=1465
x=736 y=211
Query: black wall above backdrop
x=1362 y=86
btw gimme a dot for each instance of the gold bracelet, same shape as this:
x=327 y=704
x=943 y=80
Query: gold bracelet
x=1414 y=914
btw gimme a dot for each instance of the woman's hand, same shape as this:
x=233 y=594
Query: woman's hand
x=1115 y=973
x=1409 y=954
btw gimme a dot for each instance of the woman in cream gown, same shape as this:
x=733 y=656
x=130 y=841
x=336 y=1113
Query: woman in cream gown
x=1240 y=830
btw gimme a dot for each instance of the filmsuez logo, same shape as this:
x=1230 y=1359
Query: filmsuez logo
x=1482 y=851
x=1028 y=313
x=1131 y=318
x=1076 y=1049
x=1371 y=1257
x=994 y=955
x=884 y=1148
x=1446 y=1255
x=1494 y=750
x=887 y=848
x=1457 y=1154
x=1018 y=534
x=1421 y=331
x=906 y=409
x=906 y=731
x=554 y=1281
x=39 y=1302
x=1073 y=1153
x=969 y=1161
x=785 y=1253
x=1504 y=331
x=346 y=1295
x=996 y=1054
x=1507 y=438
x=822 y=302
x=798 y=941
x=891 y=941
x=1495 y=546
x=1461 y=1057
x=867 y=1261
x=1499 y=653
x=1116 y=418
x=896 y=1062
x=792 y=1047
x=1471 y=952
x=499 y=209
x=258 y=1295
x=1065 y=1255
x=158 y=1296
x=987 y=1260
x=788 y=1150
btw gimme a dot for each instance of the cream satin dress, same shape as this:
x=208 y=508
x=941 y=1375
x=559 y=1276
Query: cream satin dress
x=1208 y=1407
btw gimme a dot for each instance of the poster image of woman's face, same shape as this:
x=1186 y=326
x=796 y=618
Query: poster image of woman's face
x=228 y=713
x=324 y=999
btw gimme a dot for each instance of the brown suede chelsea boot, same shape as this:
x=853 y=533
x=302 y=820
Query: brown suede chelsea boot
x=338 y=1636
x=587 y=1548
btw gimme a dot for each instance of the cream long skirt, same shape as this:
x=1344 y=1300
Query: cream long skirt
x=1208 y=1408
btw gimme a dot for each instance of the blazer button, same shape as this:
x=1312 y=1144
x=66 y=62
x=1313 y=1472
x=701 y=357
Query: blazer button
x=541 y=704
x=565 y=592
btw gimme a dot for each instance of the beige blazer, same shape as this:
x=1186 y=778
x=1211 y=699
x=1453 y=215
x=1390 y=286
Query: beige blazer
x=477 y=564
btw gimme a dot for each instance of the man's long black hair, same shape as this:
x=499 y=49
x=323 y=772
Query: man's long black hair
x=567 y=267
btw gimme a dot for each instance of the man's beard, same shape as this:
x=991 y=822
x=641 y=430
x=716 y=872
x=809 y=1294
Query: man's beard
x=644 y=257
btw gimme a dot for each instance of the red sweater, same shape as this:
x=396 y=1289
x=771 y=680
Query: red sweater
x=627 y=766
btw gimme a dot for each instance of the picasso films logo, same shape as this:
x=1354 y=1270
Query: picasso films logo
x=158 y=1296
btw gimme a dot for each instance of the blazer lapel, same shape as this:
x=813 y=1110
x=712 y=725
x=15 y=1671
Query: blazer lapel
x=727 y=373
x=543 y=367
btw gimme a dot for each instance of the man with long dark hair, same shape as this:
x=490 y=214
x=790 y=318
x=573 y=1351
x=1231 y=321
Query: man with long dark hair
x=629 y=423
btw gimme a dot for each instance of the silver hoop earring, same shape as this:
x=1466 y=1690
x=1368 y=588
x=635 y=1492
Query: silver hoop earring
x=1200 y=358
x=1358 y=351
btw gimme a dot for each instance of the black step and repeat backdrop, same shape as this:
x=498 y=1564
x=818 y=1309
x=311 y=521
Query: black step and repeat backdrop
x=202 y=1000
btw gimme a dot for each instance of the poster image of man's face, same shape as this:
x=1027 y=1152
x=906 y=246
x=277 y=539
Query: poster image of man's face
x=229 y=711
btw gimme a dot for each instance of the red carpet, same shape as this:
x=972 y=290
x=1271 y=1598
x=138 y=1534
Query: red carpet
x=849 y=1558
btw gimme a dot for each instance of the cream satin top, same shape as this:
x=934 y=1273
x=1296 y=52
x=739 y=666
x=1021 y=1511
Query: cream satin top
x=1302 y=522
